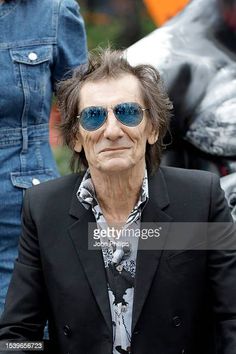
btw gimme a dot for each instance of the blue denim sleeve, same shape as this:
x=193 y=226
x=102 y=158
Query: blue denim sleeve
x=71 y=49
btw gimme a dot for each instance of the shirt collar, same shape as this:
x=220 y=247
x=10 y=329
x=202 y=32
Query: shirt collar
x=87 y=195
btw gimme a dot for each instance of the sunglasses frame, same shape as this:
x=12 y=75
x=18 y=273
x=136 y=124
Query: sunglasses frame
x=141 y=109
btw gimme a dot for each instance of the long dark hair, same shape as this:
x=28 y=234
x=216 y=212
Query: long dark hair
x=103 y=64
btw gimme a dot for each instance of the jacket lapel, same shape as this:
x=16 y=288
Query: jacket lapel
x=91 y=260
x=148 y=256
x=147 y=260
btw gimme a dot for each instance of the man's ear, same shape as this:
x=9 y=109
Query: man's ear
x=153 y=136
x=78 y=146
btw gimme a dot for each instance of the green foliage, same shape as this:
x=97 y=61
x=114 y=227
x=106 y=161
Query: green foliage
x=102 y=35
x=62 y=156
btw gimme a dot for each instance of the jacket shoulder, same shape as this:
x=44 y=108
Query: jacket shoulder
x=183 y=175
x=196 y=194
x=192 y=188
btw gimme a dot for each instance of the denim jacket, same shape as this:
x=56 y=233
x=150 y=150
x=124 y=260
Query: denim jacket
x=40 y=41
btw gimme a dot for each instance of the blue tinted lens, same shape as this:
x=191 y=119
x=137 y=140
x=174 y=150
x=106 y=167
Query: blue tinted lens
x=92 y=118
x=129 y=114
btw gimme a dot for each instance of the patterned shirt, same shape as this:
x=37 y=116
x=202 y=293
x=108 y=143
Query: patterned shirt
x=119 y=260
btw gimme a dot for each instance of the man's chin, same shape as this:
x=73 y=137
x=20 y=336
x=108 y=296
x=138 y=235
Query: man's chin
x=115 y=165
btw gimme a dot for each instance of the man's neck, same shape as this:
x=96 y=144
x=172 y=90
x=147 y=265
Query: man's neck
x=117 y=193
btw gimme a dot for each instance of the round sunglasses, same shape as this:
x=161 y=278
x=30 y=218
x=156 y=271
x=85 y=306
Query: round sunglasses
x=128 y=113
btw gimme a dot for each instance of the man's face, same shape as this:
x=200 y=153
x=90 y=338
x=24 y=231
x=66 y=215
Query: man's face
x=114 y=147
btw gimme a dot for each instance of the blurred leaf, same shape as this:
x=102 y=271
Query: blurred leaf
x=62 y=156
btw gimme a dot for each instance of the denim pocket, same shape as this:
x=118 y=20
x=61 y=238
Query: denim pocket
x=31 y=65
x=28 y=179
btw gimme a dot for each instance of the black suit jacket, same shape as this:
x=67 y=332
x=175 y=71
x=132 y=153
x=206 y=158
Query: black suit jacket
x=184 y=300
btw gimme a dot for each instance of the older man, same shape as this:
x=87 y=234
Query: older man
x=122 y=296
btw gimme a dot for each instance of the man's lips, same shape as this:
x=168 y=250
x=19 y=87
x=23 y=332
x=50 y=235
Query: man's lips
x=115 y=149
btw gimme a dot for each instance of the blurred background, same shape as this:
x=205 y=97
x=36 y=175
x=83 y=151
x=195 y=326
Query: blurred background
x=119 y=23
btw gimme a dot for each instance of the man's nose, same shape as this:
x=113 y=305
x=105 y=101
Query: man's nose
x=113 y=128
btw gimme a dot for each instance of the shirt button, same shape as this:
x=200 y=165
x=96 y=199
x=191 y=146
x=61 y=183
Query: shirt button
x=35 y=181
x=176 y=321
x=67 y=331
x=32 y=56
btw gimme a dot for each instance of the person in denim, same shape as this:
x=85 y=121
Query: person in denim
x=40 y=42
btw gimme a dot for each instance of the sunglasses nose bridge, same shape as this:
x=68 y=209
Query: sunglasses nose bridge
x=112 y=127
x=111 y=115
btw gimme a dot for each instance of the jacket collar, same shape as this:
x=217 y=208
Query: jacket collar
x=91 y=260
x=147 y=260
x=76 y=208
x=158 y=194
x=149 y=254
